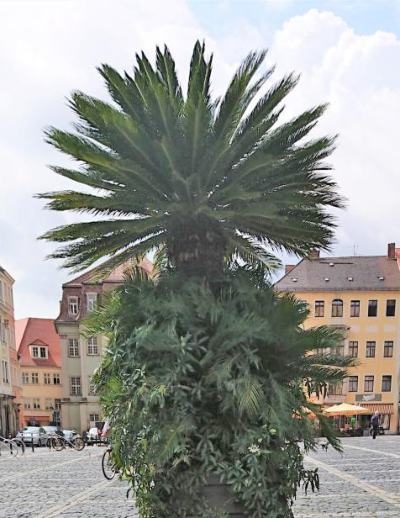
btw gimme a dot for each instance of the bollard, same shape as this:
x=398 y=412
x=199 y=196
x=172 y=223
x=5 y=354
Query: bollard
x=33 y=446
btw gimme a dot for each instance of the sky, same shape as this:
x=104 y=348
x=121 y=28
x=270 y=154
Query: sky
x=347 y=52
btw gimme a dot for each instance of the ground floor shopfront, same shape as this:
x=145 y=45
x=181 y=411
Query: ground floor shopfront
x=80 y=415
x=9 y=416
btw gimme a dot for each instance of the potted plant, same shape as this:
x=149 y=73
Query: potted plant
x=206 y=371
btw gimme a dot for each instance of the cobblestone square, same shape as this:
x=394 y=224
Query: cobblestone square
x=363 y=482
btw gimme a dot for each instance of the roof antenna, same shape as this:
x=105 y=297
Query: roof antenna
x=355 y=248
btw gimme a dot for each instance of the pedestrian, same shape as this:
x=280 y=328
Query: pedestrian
x=375 y=422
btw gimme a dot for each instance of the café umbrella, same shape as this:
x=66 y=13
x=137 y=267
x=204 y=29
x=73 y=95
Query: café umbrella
x=345 y=409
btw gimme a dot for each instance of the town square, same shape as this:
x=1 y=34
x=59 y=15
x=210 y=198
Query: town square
x=199 y=258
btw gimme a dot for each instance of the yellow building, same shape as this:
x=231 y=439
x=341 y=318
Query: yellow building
x=362 y=295
x=40 y=359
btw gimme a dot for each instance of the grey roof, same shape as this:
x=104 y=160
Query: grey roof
x=370 y=273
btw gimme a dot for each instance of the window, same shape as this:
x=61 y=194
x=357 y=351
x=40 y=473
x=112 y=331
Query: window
x=49 y=404
x=47 y=379
x=1 y=292
x=36 y=403
x=353 y=349
x=27 y=404
x=73 y=348
x=388 y=350
x=337 y=308
x=390 y=308
x=372 y=308
x=92 y=390
x=43 y=353
x=93 y=349
x=57 y=404
x=353 y=383
x=35 y=378
x=339 y=350
x=91 y=301
x=25 y=377
x=35 y=352
x=319 y=308
x=94 y=418
x=73 y=306
x=335 y=389
x=75 y=386
x=2 y=330
x=355 y=308
x=56 y=379
x=370 y=352
x=386 y=383
x=4 y=369
x=368 y=384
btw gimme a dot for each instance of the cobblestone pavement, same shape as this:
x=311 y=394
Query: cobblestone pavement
x=364 y=482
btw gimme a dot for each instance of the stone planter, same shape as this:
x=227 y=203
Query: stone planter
x=220 y=498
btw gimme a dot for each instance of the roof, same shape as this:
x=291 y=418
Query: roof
x=366 y=273
x=38 y=331
x=117 y=275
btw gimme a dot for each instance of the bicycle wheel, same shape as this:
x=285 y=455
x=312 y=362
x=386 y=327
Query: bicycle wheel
x=78 y=444
x=58 y=444
x=21 y=446
x=108 y=465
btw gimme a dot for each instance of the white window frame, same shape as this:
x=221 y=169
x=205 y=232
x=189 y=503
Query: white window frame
x=1 y=291
x=75 y=386
x=56 y=376
x=36 y=403
x=25 y=376
x=47 y=378
x=35 y=351
x=91 y=299
x=57 y=404
x=26 y=403
x=94 y=420
x=49 y=403
x=73 y=348
x=36 y=374
x=73 y=305
x=92 y=346
x=92 y=391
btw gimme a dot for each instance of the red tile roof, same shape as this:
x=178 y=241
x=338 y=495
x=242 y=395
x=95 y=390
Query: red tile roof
x=37 y=331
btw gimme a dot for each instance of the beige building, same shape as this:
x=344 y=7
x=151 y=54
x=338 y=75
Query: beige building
x=81 y=356
x=9 y=373
x=40 y=360
x=362 y=296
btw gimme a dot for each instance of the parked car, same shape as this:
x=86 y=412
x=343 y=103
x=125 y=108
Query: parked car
x=37 y=434
x=50 y=430
x=93 y=434
x=68 y=434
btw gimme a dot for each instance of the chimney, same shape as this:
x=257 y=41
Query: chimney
x=314 y=254
x=289 y=268
x=392 y=250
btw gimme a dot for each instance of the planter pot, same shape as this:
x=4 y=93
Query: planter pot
x=219 y=498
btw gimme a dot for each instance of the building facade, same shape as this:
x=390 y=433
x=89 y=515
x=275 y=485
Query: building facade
x=82 y=355
x=10 y=410
x=362 y=296
x=40 y=360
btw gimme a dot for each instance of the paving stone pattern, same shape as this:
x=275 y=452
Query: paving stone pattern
x=364 y=482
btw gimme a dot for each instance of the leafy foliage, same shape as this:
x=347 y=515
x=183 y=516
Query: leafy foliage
x=199 y=383
x=203 y=178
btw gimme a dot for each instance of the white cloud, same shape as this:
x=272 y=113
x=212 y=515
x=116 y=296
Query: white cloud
x=359 y=77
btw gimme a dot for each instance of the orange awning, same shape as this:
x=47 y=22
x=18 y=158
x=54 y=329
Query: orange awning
x=382 y=408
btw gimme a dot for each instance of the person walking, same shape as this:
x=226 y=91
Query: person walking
x=375 y=421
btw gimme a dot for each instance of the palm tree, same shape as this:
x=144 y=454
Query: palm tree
x=204 y=180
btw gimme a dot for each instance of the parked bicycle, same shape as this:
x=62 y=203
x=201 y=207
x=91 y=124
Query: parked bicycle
x=59 y=442
x=108 y=466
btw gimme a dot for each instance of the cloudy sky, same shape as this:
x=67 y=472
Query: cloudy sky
x=348 y=52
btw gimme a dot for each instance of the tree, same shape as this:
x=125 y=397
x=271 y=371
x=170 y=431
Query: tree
x=204 y=180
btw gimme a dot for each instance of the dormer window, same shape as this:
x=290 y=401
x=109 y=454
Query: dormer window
x=73 y=306
x=39 y=352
